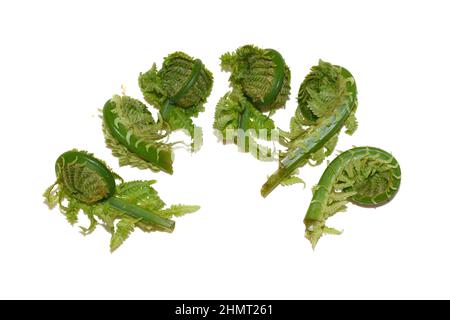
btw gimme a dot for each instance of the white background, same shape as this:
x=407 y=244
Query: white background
x=61 y=60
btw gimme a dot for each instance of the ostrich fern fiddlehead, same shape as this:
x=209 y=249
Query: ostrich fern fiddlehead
x=179 y=91
x=365 y=176
x=326 y=102
x=260 y=81
x=86 y=183
x=134 y=137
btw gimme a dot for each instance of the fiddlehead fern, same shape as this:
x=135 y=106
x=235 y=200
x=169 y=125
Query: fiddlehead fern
x=326 y=102
x=179 y=91
x=365 y=176
x=260 y=81
x=134 y=137
x=86 y=183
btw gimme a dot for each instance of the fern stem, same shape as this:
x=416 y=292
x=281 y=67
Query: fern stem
x=316 y=140
x=166 y=109
x=140 y=213
x=243 y=140
x=243 y=119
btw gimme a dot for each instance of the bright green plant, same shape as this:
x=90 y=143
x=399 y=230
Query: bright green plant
x=364 y=176
x=260 y=81
x=134 y=136
x=86 y=183
x=179 y=91
x=327 y=101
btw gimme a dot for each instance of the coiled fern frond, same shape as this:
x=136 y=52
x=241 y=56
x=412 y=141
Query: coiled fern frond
x=364 y=176
x=327 y=101
x=178 y=90
x=260 y=82
x=261 y=74
x=134 y=137
x=85 y=183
